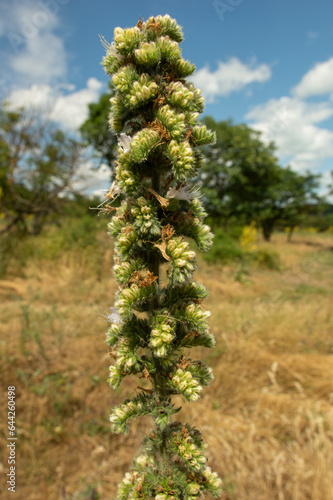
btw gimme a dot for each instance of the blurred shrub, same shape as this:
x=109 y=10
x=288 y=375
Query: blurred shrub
x=5 y=250
x=225 y=248
x=73 y=234
x=268 y=259
x=309 y=230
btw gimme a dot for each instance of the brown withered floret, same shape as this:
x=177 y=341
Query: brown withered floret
x=157 y=125
x=189 y=133
x=170 y=77
x=127 y=230
x=183 y=363
x=113 y=353
x=139 y=23
x=167 y=232
x=191 y=334
x=125 y=215
x=139 y=486
x=159 y=101
x=146 y=372
x=107 y=209
x=143 y=281
x=153 y=25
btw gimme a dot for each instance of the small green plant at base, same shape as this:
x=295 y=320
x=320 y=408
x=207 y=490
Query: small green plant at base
x=155 y=323
x=87 y=492
x=34 y=326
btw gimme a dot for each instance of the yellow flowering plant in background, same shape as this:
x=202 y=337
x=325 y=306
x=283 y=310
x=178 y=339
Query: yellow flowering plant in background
x=248 y=238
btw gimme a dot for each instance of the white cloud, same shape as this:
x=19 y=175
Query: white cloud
x=71 y=110
x=230 y=76
x=294 y=127
x=37 y=54
x=43 y=60
x=36 y=69
x=37 y=96
x=318 y=81
x=91 y=180
x=34 y=75
x=68 y=110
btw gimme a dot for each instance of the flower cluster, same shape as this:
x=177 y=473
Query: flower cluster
x=126 y=269
x=124 y=78
x=128 y=488
x=151 y=53
x=121 y=414
x=157 y=316
x=143 y=90
x=214 y=483
x=127 y=39
x=200 y=135
x=162 y=334
x=190 y=452
x=184 y=383
x=118 y=222
x=127 y=179
x=194 y=316
x=172 y=121
x=143 y=404
x=182 y=259
x=134 y=296
x=146 y=220
x=127 y=362
x=185 y=97
x=182 y=159
x=126 y=241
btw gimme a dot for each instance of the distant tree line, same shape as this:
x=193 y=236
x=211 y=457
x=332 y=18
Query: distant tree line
x=241 y=178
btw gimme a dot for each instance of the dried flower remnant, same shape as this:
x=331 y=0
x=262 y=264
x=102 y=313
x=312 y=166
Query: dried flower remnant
x=125 y=142
x=183 y=193
x=115 y=317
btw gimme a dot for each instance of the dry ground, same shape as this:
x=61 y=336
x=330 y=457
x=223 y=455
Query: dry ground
x=267 y=417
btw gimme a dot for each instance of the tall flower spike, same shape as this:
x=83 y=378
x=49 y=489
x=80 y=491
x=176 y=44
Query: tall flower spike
x=155 y=322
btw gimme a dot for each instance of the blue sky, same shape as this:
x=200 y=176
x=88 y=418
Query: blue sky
x=268 y=63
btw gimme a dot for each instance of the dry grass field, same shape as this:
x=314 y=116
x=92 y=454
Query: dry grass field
x=267 y=417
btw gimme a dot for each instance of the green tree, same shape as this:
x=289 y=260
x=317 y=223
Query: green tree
x=288 y=200
x=242 y=178
x=96 y=131
x=38 y=163
x=238 y=169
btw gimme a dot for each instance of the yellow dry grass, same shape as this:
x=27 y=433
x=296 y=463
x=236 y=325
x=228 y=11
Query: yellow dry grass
x=267 y=417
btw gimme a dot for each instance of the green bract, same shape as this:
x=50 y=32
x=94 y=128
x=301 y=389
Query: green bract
x=154 y=321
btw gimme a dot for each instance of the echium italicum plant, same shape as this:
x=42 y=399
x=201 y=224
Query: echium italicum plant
x=154 y=322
